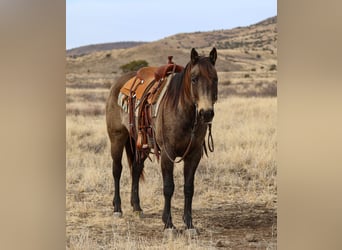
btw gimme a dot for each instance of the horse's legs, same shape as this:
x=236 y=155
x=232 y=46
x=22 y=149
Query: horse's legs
x=169 y=186
x=117 y=144
x=137 y=169
x=190 y=166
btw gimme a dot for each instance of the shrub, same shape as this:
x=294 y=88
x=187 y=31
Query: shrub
x=226 y=83
x=133 y=65
x=273 y=67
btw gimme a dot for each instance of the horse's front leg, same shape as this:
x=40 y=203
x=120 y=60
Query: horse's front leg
x=190 y=166
x=168 y=188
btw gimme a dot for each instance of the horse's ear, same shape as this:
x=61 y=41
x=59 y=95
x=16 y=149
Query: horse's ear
x=213 y=56
x=194 y=56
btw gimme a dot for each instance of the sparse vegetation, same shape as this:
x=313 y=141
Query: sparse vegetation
x=133 y=65
x=258 y=41
x=84 y=50
x=273 y=67
x=235 y=188
x=226 y=83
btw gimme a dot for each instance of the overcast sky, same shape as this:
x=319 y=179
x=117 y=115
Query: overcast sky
x=102 y=21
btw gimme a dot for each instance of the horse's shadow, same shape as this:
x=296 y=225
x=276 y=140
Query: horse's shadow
x=227 y=215
x=237 y=215
x=152 y=215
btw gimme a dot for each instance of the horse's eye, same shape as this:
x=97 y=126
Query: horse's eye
x=194 y=79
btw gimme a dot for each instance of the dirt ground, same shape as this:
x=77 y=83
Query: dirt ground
x=220 y=226
x=235 y=199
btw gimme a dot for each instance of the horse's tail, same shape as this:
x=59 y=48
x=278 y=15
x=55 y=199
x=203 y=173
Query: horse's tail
x=131 y=157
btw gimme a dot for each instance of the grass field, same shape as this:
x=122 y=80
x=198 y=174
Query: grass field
x=235 y=200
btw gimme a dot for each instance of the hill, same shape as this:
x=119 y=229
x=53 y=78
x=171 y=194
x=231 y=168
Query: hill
x=247 y=58
x=83 y=50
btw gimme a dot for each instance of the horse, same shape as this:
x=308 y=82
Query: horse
x=186 y=112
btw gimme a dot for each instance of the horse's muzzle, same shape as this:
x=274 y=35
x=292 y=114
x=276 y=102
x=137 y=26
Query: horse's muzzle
x=206 y=115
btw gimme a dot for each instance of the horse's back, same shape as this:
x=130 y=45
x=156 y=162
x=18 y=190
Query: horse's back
x=115 y=89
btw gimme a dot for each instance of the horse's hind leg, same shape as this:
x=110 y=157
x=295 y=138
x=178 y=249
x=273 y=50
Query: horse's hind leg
x=117 y=144
x=137 y=172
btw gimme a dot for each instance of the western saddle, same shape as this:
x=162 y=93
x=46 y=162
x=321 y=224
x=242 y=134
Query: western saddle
x=140 y=97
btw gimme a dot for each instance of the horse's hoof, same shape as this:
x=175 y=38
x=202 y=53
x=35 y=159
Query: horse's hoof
x=138 y=214
x=117 y=214
x=191 y=232
x=170 y=233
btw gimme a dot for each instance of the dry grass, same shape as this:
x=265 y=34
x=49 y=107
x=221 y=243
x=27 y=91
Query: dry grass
x=235 y=188
x=86 y=109
x=235 y=198
x=86 y=95
x=259 y=83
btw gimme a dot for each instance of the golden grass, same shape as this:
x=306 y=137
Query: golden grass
x=258 y=83
x=235 y=200
x=235 y=182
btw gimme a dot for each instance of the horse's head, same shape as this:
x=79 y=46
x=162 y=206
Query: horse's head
x=204 y=81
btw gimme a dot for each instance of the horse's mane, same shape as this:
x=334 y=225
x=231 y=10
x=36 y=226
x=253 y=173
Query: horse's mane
x=179 y=88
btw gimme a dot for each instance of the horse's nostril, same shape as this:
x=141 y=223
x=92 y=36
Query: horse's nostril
x=206 y=115
x=209 y=114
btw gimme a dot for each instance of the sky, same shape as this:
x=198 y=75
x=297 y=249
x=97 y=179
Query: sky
x=102 y=21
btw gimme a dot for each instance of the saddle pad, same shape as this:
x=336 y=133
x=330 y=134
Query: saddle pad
x=161 y=93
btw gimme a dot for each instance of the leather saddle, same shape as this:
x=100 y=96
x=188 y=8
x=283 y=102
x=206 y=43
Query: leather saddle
x=140 y=83
x=137 y=96
x=146 y=78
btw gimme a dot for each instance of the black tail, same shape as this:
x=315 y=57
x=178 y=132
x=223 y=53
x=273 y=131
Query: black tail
x=131 y=156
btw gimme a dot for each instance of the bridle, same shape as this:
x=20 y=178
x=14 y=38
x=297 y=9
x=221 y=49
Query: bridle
x=193 y=129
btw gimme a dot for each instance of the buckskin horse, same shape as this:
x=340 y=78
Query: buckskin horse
x=179 y=128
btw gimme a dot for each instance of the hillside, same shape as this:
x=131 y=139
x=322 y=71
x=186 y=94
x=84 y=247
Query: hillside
x=83 y=50
x=247 y=57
